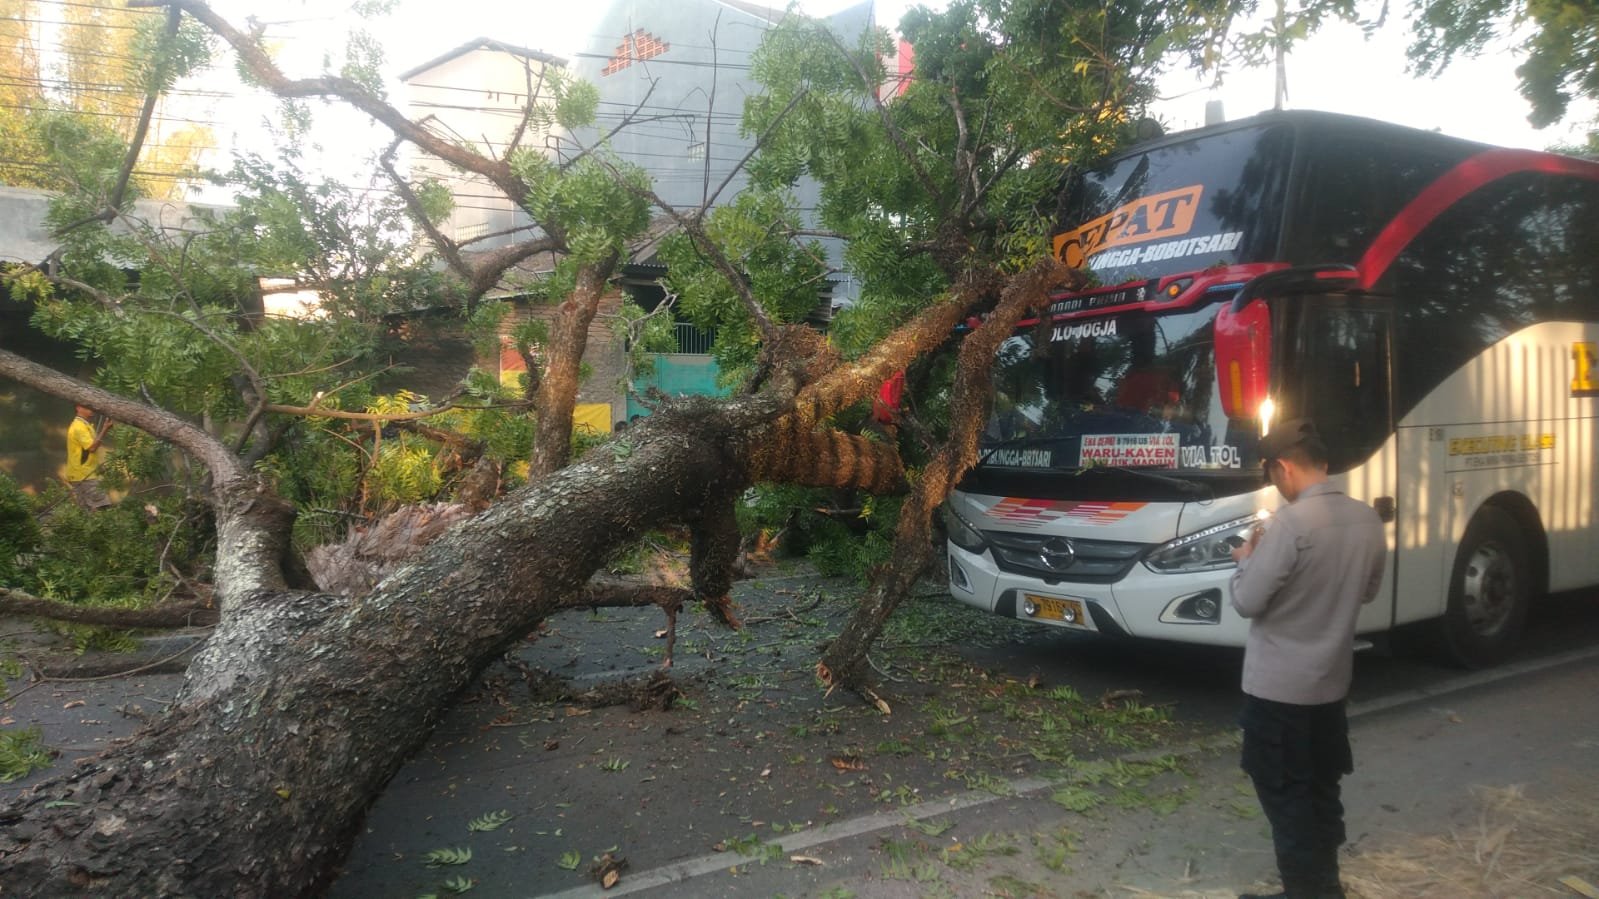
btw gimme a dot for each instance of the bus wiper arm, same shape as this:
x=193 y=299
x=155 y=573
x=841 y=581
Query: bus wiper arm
x=1188 y=487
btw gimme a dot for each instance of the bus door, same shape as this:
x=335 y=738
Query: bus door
x=1336 y=369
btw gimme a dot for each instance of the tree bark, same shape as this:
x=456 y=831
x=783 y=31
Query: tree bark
x=557 y=392
x=302 y=706
x=845 y=661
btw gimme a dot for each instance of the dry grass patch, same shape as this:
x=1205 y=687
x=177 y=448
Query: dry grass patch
x=1519 y=847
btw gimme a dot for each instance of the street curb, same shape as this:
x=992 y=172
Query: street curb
x=1031 y=787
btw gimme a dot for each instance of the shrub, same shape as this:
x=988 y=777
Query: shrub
x=19 y=532
x=121 y=555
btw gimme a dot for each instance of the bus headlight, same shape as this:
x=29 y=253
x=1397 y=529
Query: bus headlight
x=1205 y=550
x=961 y=532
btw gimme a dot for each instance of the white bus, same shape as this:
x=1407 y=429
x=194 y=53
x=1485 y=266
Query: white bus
x=1431 y=303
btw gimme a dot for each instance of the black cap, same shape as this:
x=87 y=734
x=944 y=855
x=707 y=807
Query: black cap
x=1287 y=434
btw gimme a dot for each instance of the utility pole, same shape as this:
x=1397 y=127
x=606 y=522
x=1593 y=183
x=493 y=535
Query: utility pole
x=1282 y=43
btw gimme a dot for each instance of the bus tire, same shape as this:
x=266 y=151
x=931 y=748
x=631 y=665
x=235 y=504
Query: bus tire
x=1489 y=592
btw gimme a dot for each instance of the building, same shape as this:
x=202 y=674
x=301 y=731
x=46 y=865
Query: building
x=478 y=94
x=675 y=73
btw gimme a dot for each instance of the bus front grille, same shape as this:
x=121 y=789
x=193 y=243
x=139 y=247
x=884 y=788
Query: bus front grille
x=1055 y=559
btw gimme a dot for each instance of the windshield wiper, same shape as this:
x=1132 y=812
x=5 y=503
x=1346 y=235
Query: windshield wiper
x=1185 y=486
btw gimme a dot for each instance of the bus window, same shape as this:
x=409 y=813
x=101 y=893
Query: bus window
x=1516 y=252
x=1177 y=208
x=1354 y=183
x=1337 y=373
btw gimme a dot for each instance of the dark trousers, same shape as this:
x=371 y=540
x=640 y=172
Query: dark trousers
x=1296 y=754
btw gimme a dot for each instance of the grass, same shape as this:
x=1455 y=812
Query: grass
x=22 y=752
x=753 y=847
x=1519 y=846
x=966 y=856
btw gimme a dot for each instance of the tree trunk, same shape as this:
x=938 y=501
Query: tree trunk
x=845 y=661
x=302 y=706
x=557 y=393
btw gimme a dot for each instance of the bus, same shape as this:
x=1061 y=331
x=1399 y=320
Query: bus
x=1431 y=303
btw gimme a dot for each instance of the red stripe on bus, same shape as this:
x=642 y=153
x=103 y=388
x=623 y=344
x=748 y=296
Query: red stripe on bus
x=1451 y=188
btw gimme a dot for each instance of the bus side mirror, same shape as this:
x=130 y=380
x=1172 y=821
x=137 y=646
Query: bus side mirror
x=1243 y=357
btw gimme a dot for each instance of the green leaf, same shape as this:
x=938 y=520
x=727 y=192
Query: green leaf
x=459 y=884
x=570 y=860
x=21 y=754
x=441 y=857
x=490 y=821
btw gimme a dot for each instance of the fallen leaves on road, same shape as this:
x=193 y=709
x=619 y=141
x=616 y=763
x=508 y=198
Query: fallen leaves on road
x=1112 y=697
x=607 y=869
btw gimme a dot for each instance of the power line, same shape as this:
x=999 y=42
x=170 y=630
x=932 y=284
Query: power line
x=98 y=6
x=697 y=64
x=29 y=21
x=100 y=87
x=109 y=115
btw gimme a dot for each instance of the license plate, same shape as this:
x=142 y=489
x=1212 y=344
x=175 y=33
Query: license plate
x=1049 y=608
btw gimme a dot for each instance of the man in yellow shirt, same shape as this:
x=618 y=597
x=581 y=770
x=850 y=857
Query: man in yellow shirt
x=83 y=445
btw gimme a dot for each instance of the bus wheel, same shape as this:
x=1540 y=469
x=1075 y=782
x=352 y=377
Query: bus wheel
x=1489 y=592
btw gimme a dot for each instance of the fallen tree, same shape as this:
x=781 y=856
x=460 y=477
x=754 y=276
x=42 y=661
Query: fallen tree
x=303 y=704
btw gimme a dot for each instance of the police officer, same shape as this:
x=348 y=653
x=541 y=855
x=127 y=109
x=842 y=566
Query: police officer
x=1301 y=582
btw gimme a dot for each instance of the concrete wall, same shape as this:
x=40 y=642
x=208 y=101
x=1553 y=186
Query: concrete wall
x=25 y=238
x=684 y=67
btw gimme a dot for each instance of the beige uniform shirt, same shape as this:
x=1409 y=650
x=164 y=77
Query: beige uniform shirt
x=1321 y=558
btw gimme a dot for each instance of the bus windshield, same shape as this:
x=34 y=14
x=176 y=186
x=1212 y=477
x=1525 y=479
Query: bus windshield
x=1184 y=206
x=1136 y=390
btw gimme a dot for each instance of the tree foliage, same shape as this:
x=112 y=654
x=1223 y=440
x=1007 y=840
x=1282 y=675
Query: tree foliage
x=85 y=89
x=1557 y=40
x=303 y=704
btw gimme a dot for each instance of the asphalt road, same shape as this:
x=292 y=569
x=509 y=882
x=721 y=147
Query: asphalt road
x=1423 y=735
x=1201 y=682
x=693 y=791
x=1443 y=768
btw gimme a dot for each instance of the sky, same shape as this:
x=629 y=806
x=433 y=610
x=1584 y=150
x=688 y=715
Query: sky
x=1337 y=70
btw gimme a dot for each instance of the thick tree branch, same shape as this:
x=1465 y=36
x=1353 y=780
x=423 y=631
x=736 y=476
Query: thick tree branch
x=252 y=522
x=844 y=662
x=178 y=614
x=862 y=377
x=255 y=59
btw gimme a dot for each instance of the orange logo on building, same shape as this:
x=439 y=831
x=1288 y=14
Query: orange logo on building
x=1168 y=214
